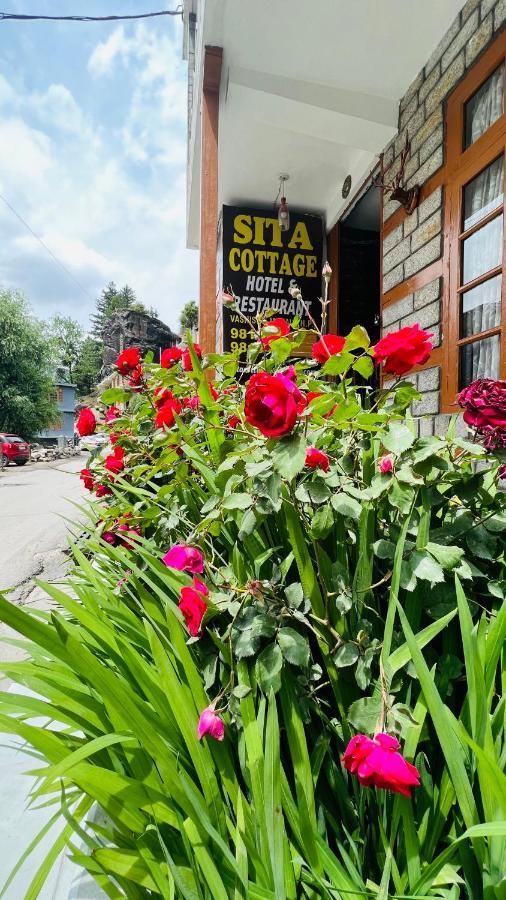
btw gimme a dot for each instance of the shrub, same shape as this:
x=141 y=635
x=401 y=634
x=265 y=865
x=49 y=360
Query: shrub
x=277 y=576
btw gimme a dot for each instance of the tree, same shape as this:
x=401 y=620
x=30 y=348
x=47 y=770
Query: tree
x=110 y=301
x=189 y=317
x=67 y=338
x=88 y=366
x=27 y=404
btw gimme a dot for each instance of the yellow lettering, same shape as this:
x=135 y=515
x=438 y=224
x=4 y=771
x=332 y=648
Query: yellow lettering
x=259 y=231
x=233 y=260
x=243 y=233
x=300 y=238
x=276 y=232
x=298 y=264
x=247 y=260
x=311 y=267
x=284 y=268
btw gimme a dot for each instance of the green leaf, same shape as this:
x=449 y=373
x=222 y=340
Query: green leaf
x=338 y=364
x=384 y=549
x=115 y=395
x=424 y=566
x=322 y=522
x=358 y=339
x=364 y=366
x=346 y=506
x=448 y=557
x=294 y=595
x=289 y=455
x=238 y=501
x=345 y=655
x=398 y=438
x=268 y=668
x=294 y=647
x=364 y=714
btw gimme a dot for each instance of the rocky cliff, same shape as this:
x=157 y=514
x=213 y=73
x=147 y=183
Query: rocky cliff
x=127 y=328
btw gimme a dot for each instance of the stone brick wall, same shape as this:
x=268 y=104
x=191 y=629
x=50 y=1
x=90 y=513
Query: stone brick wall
x=417 y=241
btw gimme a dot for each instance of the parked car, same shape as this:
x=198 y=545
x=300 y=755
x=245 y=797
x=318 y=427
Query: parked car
x=13 y=449
x=93 y=442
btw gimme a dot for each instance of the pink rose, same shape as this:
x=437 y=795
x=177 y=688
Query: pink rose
x=378 y=763
x=386 y=464
x=484 y=402
x=211 y=724
x=185 y=559
x=193 y=605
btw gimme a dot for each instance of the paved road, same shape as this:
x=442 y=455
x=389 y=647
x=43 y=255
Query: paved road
x=33 y=501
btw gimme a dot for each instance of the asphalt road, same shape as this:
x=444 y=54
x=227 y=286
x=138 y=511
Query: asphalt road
x=34 y=502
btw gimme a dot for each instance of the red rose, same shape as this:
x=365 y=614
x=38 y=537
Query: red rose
x=317 y=459
x=86 y=423
x=233 y=422
x=273 y=330
x=165 y=414
x=115 y=462
x=115 y=435
x=128 y=360
x=484 y=402
x=87 y=479
x=328 y=345
x=170 y=356
x=161 y=395
x=135 y=378
x=101 y=490
x=401 y=350
x=271 y=403
x=193 y=606
x=191 y=402
x=187 y=360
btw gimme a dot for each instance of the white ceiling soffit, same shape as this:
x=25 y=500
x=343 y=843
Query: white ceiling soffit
x=312 y=89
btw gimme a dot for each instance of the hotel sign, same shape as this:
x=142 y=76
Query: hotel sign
x=260 y=264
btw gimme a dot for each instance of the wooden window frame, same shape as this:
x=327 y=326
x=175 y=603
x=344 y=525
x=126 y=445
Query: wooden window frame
x=461 y=167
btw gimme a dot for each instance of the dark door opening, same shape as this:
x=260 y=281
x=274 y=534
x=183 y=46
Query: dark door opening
x=359 y=266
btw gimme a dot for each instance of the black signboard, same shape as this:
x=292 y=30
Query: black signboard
x=260 y=264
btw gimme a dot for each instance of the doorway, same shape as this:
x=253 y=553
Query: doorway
x=359 y=266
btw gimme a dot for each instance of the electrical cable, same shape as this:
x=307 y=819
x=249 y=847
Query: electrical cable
x=24 y=17
x=48 y=250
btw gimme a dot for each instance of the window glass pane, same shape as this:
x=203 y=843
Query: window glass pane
x=484 y=193
x=482 y=250
x=479 y=360
x=484 y=107
x=481 y=307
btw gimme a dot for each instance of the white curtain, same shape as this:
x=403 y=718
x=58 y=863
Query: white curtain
x=481 y=307
x=485 y=107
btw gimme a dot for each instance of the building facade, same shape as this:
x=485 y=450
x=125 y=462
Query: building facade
x=62 y=430
x=389 y=120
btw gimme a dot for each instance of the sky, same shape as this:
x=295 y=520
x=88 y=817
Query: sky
x=93 y=157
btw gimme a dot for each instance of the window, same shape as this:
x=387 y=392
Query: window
x=475 y=295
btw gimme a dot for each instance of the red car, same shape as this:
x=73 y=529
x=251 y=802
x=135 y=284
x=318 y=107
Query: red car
x=13 y=449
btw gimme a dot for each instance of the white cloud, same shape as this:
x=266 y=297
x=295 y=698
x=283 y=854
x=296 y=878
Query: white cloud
x=102 y=183
x=103 y=56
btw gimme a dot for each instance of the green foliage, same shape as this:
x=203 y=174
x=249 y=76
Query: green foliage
x=67 y=338
x=27 y=404
x=87 y=366
x=340 y=601
x=189 y=317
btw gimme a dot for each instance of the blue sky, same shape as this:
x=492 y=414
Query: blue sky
x=93 y=157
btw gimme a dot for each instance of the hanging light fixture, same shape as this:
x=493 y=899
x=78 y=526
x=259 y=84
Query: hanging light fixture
x=283 y=211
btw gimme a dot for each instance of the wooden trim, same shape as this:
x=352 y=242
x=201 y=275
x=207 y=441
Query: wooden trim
x=475 y=282
x=413 y=283
x=333 y=257
x=209 y=198
x=397 y=217
x=462 y=166
x=481 y=223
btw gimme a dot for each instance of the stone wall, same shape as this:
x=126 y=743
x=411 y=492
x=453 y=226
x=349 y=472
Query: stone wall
x=127 y=328
x=417 y=241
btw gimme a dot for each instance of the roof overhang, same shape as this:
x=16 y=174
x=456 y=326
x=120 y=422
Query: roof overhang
x=310 y=90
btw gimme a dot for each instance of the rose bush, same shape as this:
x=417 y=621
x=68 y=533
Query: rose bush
x=278 y=667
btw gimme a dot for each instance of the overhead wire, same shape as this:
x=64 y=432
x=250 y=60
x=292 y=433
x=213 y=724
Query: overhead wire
x=25 y=17
x=48 y=249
